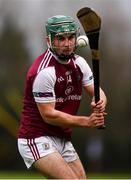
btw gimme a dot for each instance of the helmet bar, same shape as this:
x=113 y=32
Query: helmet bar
x=58 y=25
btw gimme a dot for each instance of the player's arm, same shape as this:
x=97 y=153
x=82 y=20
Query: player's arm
x=44 y=95
x=89 y=85
x=103 y=100
x=54 y=117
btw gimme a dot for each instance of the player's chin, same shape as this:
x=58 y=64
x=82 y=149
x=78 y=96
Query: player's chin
x=68 y=52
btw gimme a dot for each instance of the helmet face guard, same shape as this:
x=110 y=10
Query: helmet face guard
x=58 y=25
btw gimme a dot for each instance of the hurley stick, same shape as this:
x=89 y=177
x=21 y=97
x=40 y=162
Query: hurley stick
x=91 y=24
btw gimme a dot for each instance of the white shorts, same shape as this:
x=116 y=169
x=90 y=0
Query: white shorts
x=33 y=149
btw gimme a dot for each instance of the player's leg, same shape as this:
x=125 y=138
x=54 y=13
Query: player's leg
x=43 y=153
x=78 y=169
x=54 y=166
x=71 y=157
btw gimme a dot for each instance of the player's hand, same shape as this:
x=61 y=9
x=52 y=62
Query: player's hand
x=98 y=107
x=96 y=119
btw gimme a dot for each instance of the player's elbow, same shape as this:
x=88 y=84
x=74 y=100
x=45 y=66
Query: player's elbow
x=47 y=111
x=47 y=117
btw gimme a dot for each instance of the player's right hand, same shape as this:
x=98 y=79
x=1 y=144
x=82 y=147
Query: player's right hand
x=96 y=119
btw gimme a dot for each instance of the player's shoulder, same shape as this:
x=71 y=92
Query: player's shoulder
x=79 y=59
x=82 y=63
x=46 y=75
x=50 y=70
x=39 y=63
x=34 y=66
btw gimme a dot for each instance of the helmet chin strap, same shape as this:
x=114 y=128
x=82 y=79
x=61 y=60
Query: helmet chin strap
x=64 y=57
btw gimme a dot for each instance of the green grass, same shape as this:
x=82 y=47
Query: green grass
x=38 y=176
x=109 y=176
x=20 y=175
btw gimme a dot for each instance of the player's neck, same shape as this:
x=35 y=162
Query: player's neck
x=60 y=61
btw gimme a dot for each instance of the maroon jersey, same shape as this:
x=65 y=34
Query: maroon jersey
x=49 y=80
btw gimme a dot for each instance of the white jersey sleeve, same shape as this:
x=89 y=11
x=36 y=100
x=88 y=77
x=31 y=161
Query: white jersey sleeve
x=86 y=70
x=43 y=86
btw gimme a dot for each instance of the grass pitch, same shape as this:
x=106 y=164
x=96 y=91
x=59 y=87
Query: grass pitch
x=34 y=175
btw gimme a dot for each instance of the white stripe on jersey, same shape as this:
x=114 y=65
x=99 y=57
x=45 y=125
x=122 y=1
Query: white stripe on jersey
x=45 y=60
x=42 y=61
x=48 y=58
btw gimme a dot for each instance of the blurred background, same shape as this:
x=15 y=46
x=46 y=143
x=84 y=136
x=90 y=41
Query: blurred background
x=22 y=39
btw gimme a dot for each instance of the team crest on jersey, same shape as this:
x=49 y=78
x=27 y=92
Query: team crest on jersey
x=46 y=146
x=68 y=75
x=69 y=90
